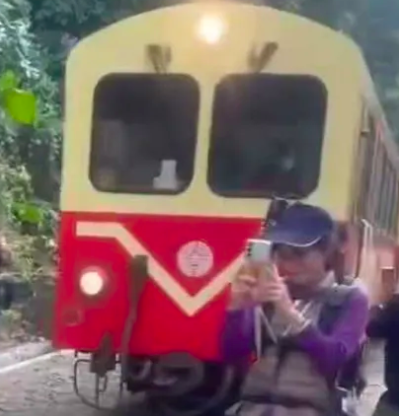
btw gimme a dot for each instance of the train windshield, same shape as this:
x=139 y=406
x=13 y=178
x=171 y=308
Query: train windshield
x=267 y=136
x=144 y=133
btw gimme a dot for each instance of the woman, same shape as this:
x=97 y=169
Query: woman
x=314 y=328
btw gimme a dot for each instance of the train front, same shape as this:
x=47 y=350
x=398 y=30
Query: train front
x=167 y=163
x=146 y=253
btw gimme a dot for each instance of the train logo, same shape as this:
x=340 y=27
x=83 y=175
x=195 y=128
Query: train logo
x=195 y=259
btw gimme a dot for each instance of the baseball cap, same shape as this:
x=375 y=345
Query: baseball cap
x=300 y=225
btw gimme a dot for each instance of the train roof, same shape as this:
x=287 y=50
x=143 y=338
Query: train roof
x=167 y=25
x=242 y=16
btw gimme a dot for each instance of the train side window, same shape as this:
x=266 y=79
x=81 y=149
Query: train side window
x=144 y=129
x=388 y=195
x=376 y=183
x=367 y=145
x=382 y=188
x=391 y=198
x=267 y=135
x=395 y=213
x=395 y=202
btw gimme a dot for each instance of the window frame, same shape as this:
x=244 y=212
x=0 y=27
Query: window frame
x=143 y=190
x=395 y=207
x=382 y=188
x=376 y=180
x=382 y=202
x=389 y=197
x=367 y=146
x=258 y=194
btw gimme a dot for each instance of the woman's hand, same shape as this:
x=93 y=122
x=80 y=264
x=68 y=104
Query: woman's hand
x=272 y=288
x=255 y=284
x=243 y=287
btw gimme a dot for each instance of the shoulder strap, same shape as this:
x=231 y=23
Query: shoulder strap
x=263 y=331
x=335 y=301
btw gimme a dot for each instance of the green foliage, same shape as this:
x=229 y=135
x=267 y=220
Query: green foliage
x=29 y=224
x=18 y=104
x=374 y=24
x=29 y=121
x=380 y=40
x=23 y=67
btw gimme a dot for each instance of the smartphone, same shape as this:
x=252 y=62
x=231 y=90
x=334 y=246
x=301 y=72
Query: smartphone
x=259 y=250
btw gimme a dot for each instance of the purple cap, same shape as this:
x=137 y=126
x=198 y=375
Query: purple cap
x=300 y=225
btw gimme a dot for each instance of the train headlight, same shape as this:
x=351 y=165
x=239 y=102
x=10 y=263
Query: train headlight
x=211 y=29
x=92 y=282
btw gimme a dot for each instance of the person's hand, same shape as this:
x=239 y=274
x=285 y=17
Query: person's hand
x=243 y=287
x=272 y=288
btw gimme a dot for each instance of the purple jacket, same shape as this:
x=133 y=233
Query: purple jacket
x=328 y=351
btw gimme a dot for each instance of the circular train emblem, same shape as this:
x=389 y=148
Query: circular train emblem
x=195 y=259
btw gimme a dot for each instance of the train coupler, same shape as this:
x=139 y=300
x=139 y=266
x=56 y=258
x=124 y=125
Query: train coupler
x=100 y=364
x=104 y=359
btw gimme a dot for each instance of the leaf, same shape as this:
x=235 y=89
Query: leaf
x=21 y=106
x=8 y=81
x=28 y=213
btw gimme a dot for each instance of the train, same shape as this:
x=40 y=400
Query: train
x=181 y=125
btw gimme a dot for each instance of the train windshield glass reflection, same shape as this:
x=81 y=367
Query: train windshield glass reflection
x=267 y=136
x=144 y=133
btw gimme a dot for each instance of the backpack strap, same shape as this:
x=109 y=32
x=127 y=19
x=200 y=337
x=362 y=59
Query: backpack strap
x=264 y=334
x=336 y=299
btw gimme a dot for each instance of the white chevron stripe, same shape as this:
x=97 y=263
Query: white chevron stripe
x=190 y=304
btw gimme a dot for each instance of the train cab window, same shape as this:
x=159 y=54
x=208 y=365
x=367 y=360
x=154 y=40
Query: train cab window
x=144 y=133
x=267 y=136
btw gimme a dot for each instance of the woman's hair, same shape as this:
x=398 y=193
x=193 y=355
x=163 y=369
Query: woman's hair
x=333 y=244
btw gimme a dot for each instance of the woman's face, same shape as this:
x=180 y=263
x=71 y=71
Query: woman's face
x=300 y=266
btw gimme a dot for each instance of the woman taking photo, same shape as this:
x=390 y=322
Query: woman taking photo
x=313 y=326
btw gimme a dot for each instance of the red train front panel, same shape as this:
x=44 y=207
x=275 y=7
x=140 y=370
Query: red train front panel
x=191 y=261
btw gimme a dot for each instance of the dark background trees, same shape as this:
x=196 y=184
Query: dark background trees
x=57 y=24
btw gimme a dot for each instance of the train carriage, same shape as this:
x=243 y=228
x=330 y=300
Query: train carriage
x=181 y=125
